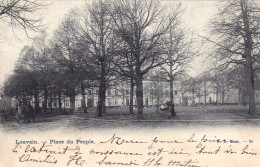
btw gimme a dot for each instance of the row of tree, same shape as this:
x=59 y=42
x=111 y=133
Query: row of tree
x=99 y=43
x=126 y=39
x=218 y=82
x=235 y=35
x=214 y=81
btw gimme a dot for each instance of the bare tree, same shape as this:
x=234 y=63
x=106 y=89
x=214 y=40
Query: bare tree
x=20 y=13
x=178 y=52
x=156 y=86
x=35 y=67
x=26 y=77
x=183 y=83
x=221 y=82
x=59 y=78
x=93 y=26
x=141 y=24
x=238 y=81
x=85 y=69
x=193 y=88
x=45 y=66
x=205 y=84
x=124 y=67
x=65 y=43
x=236 y=30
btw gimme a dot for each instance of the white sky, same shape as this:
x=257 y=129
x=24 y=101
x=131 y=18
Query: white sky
x=196 y=17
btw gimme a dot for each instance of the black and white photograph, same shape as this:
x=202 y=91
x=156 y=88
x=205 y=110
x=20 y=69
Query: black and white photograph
x=130 y=83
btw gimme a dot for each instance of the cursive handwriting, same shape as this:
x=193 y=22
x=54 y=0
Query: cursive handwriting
x=156 y=140
x=44 y=148
x=104 y=161
x=120 y=141
x=47 y=159
x=156 y=151
x=108 y=152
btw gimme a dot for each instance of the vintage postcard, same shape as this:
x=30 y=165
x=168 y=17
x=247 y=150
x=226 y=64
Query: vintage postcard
x=145 y=83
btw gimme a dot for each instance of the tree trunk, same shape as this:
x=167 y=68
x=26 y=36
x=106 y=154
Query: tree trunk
x=158 y=94
x=72 y=100
x=182 y=99
x=172 y=109
x=59 y=100
x=100 y=104
x=205 y=92
x=173 y=113
x=102 y=89
x=64 y=106
x=36 y=102
x=123 y=97
x=139 y=96
x=205 y=99
x=248 y=44
x=72 y=103
x=239 y=100
x=223 y=97
x=51 y=100
x=104 y=109
x=250 y=86
x=193 y=98
x=131 y=105
x=217 y=97
x=45 y=99
x=83 y=103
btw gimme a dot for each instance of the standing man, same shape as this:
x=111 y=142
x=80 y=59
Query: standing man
x=31 y=112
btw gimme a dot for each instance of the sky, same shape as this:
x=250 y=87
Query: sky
x=196 y=17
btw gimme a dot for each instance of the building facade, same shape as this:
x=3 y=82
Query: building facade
x=154 y=94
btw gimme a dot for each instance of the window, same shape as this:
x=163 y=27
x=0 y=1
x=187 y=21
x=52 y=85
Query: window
x=116 y=92
x=55 y=105
x=67 y=103
x=89 y=91
x=115 y=101
x=49 y=105
x=127 y=92
x=127 y=101
x=146 y=101
x=109 y=92
x=176 y=92
x=78 y=103
x=90 y=103
x=109 y=102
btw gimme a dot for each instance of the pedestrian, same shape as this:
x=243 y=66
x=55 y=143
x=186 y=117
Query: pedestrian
x=31 y=112
x=25 y=112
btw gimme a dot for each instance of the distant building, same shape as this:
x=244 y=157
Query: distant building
x=154 y=94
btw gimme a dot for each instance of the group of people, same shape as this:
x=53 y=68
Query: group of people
x=25 y=110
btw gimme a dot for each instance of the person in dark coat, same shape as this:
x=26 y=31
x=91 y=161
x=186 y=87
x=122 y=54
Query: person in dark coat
x=31 y=112
x=25 y=112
